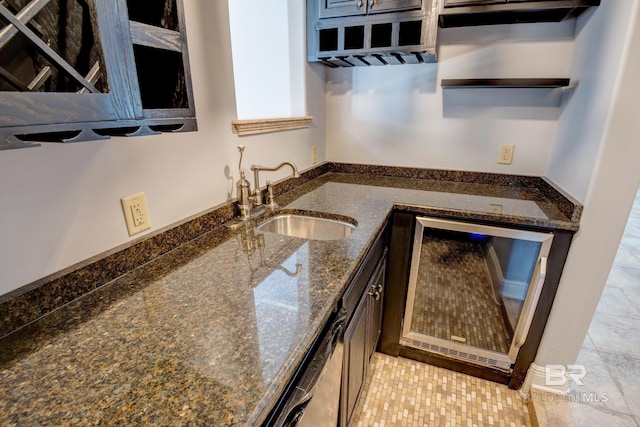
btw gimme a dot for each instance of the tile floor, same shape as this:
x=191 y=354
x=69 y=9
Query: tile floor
x=406 y=393
x=454 y=296
x=610 y=395
x=402 y=392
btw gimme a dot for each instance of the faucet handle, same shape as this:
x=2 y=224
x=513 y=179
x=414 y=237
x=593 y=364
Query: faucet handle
x=271 y=201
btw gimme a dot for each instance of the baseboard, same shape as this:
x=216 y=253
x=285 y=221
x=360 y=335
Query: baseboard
x=537 y=379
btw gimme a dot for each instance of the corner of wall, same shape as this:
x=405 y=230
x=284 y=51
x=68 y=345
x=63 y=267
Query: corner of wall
x=538 y=379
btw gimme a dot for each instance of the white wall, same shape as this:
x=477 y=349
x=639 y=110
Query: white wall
x=600 y=38
x=399 y=115
x=60 y=204
x=269 y=59
x=596 y=155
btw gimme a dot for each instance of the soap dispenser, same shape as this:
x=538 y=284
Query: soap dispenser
x=243 y=189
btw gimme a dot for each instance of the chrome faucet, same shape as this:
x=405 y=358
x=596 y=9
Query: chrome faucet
x=257 y=194
x=247 y=199
x=243 y=190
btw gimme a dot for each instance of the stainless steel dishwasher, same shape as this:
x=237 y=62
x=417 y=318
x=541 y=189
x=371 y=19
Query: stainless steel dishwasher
x=313 y=396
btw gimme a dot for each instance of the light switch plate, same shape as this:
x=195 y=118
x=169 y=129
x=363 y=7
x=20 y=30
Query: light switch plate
x=135 y=212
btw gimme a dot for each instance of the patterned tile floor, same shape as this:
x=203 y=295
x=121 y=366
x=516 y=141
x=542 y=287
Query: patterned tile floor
x=454 y=296
x=403 y=392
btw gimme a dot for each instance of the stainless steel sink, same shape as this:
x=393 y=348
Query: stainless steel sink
x=307 y=227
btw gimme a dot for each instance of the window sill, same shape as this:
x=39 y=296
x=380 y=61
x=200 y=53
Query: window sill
x=252 y=127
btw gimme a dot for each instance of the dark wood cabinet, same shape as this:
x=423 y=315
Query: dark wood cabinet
x=378 y=6
x=363 y=303
x=458 y=13
x=375 y=298
x=360 y=340
x=85 y=70
x=371 y=32
x=338 y=8
x=355 y=361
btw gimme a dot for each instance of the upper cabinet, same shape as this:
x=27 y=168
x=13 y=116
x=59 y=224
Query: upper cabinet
x=347 y=33
x=79 y=70
x=371 y=32
x=336 y=8
x=457 y=13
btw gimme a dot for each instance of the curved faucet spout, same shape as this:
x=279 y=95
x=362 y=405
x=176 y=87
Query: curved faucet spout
x=293 y=166
x=256 y=178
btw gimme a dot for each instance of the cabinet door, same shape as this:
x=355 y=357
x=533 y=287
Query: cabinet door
x=377 y=6
x=376 y=296
x=337 y=8
x=454 y=3
x=157 y=37
x=86 y=69
x=355 y=361
x=54 y=64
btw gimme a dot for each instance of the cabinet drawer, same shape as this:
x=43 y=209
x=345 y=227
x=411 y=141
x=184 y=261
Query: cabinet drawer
x=379 y=6
x=338 y=8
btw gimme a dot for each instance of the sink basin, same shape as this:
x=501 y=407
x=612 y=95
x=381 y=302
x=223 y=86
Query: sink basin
x=307 y=227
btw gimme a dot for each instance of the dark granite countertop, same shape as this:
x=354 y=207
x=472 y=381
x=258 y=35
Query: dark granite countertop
x=210 y=333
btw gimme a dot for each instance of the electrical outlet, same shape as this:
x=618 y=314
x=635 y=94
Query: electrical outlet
x=314 y=154
x=139 y=218
x=135 y=212
x=495 y=208
x=506 y=154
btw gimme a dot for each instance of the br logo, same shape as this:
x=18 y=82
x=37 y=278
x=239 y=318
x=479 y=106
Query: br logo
x=558 y=375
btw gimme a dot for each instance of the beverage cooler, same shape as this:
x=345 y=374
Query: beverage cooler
x=473 y=290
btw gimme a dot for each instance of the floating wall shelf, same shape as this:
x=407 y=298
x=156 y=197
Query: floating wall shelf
x=505 y=83
x=462 y=13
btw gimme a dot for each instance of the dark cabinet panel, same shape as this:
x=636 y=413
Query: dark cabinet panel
x=341 y=8
x=363 y=304
x=376 y=297
x=82 y=70
x=336 y=8
x=377 y=6
x=371 y=32
x=397 y=277
x=355 y=361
